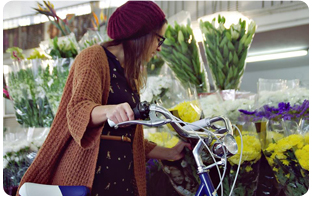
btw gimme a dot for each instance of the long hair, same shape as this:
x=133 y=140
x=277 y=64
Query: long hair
x=136 y=56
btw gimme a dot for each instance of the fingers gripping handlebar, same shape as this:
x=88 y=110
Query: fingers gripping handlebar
x=140 y=111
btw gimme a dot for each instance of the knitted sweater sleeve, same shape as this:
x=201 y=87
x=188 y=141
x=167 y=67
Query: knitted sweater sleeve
x=90 y=82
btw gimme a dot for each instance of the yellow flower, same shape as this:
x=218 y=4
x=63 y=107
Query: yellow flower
x=248 y=168
x=289 y=142
x=189 y=111
x=303 y=157
x=165 y=139
x=251 y=149
x=285 y=162
x=279 y=155
x=271 y=147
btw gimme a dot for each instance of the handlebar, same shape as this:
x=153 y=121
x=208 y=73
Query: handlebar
x=144 y=110
x=223 y=147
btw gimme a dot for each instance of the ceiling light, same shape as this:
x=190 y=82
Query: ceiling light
x=275 y=56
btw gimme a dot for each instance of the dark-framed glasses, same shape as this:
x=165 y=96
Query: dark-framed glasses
x=160 y=39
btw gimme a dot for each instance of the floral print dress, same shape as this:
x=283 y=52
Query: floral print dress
x=114 y=174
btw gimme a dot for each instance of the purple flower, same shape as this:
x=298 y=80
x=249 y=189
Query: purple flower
x=283 y=111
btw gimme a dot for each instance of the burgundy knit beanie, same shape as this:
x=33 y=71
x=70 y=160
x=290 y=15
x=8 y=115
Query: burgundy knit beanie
x=134 y=19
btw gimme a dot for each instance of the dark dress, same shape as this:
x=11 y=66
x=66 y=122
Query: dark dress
x=114 y=169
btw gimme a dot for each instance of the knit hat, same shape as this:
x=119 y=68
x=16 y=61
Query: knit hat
x=134 y=19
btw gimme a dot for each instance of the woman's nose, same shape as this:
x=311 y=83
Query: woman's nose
x=158 y=48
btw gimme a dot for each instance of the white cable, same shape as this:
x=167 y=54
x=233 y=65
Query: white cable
x=240 y=160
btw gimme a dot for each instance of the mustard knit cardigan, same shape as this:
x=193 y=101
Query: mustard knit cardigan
x=69 y=153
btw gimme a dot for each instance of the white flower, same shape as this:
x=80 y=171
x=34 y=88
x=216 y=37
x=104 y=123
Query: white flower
x=252 y=27
x=235 y=29
x=5 y=163
x=212 y=106
x=183 y=163
x=155 y=86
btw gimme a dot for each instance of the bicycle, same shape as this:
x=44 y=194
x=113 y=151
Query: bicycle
x=218 y=139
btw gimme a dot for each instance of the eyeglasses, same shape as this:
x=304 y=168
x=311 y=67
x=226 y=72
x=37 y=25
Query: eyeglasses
x=161 y=39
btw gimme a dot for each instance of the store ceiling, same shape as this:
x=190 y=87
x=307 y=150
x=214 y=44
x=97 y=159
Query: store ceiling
x=291 y=37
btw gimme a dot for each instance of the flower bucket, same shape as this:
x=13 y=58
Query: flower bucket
x=226 y=45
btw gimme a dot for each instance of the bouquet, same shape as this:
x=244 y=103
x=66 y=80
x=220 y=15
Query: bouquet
x=247 y=180
x=226 y=50
x=19 y=150
x=289 y=160
x=273 y=91
x=188 y=111
x=31 y=105
x=156 y=88
x=64 y=47
x=181 y=52
x=226 y=103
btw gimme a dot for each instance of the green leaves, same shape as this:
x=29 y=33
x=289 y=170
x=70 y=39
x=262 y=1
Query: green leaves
x=226 y=51
x=181 y=52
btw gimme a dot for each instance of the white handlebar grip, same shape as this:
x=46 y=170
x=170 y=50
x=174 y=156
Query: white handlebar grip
x=111 y=123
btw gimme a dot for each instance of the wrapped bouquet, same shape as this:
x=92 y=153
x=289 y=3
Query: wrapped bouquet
x=247 y=180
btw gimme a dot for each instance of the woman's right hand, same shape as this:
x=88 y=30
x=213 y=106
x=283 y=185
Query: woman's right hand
x=116 y=113
x=119 y=113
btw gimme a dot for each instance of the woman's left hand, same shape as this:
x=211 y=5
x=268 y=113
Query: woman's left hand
x=177 y=152
x=174 y=153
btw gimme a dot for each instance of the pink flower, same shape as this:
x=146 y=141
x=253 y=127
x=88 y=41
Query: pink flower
x=6 y=93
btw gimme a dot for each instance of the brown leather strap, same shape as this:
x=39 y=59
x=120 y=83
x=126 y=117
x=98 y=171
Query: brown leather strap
x=118 y=138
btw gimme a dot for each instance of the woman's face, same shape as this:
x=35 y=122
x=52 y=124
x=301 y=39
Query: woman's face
x=155 y=43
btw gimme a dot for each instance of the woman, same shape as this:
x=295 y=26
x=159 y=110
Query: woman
x=81 y=149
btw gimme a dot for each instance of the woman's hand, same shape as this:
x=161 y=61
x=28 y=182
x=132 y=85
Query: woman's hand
x=119 y=113
x=116 y=113
x=174 y=153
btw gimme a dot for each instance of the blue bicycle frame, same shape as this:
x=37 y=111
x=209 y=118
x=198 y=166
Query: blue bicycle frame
x=206 y=186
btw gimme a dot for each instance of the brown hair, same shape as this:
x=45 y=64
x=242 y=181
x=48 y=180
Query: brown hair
x=135 y=56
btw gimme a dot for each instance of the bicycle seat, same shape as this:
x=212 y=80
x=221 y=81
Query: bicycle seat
x=35 y=189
